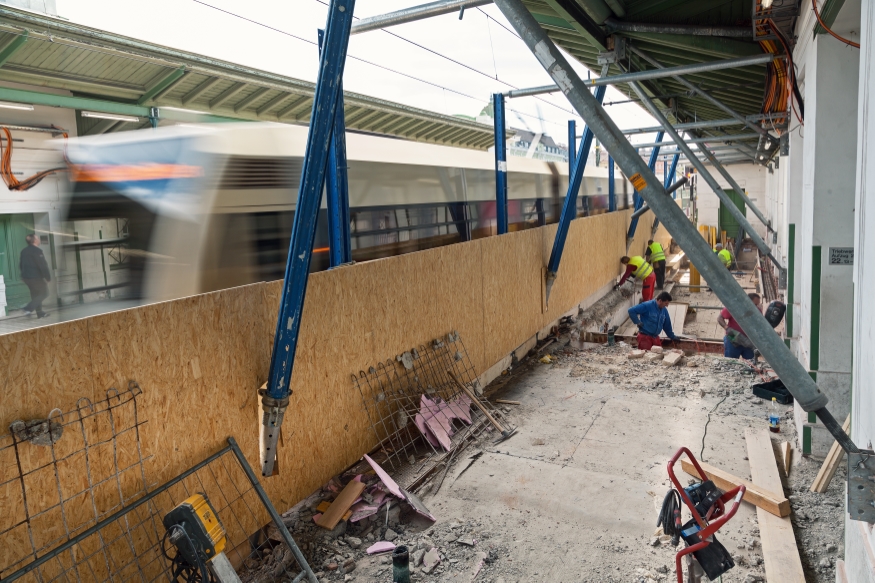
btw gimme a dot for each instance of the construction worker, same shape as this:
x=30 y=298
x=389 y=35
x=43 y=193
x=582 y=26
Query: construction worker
x=656 y=256
x=642 y=270
x=652 y=318
x=724 y=255
x=736 y=344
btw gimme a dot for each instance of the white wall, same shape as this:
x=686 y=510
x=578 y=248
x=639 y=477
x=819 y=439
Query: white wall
x=859 y=537
x=750 y=177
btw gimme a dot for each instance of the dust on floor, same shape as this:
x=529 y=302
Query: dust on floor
x=574 y=495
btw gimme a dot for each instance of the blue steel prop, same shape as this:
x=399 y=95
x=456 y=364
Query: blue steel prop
x=500 y=162
x=639 y=202
x=668 y=175
x=572 y=143
x=612 y=188
x=569 y=207
x=337 y=185
x=275 y=399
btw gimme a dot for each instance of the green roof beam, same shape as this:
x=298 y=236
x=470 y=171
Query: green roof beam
x=828 y=13
x=12 y=47
x=159 y=85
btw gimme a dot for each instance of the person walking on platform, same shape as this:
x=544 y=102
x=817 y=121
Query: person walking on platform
x=642 y=270
x=736 y=344
x=652 y=319
x=724 y=255
x=655 y=254
x=36 y=275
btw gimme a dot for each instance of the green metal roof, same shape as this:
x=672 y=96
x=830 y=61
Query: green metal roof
x=39 y=50
x=584 y=29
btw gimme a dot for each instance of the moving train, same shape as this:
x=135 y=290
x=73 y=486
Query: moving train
x=211 y=207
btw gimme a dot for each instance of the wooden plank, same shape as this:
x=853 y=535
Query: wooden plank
x=760 y=497
x=830 y=464
x=786 y=456
x=780 y=552
x=341 y=505
x=506 y=402
x=677 y=311
x=325 y=505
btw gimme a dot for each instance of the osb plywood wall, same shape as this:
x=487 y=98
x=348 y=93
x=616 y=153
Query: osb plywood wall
x=199 y=360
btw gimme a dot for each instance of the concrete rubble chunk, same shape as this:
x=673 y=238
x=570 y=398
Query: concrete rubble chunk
x=431 y=560
x=671 y=359
x=636 y=354
x=656 y=349
x=651 y=356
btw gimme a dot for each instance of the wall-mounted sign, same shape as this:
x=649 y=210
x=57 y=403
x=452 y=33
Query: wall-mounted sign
x=841 y=255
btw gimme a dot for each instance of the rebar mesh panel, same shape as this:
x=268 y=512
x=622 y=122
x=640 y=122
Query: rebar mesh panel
x=392 y=394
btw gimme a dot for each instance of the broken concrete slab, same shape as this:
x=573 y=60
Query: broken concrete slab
x=672 y=358
x=652 y=356
x=656 y=349
x=636 y=354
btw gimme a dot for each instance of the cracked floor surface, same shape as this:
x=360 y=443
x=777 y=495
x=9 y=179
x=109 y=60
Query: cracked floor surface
x=574 y=495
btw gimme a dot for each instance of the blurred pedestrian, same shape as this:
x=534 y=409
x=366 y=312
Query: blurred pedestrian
x=36 y=275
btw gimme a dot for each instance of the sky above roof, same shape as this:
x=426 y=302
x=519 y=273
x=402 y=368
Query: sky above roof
x=442 y=64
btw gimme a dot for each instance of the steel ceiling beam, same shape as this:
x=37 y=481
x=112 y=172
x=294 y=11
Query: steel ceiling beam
x=414 y=13
x=659 y=73
x=733 y=138
x=790 y=370
x=614 y=25
x=701 y=124
x=710 y=98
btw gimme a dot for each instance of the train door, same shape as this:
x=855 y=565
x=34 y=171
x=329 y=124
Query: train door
x=13 y=230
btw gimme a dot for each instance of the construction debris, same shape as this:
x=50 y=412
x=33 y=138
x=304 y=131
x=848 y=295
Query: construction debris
x=830 y=464
x=771 y=502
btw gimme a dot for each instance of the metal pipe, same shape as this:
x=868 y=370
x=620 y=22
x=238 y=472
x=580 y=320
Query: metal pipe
x=500 y=162
x=794 y=375
x=337 y=186
x=414 y=13
x=705 y=140
x=612 y=187
x=529 y=91
x=275 y=399
x=700 y=166
x=644 y=208
x=654 y=74
x=725 y=149
x=112 y=518
x=572 y=144
x=271 y=511
x=698 y=125
x=639 y=202
x=707 y=96
x=686 y=29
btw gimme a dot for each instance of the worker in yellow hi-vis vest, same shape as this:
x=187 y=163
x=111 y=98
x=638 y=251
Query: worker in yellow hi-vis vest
x=637 y=266
x=655 y=254
x=724 y=255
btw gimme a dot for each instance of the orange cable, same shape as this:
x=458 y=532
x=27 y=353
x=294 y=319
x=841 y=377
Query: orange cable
x=829 y=30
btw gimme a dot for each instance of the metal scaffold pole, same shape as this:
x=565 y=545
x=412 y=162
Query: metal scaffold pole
x=275 y=399
x=500 y=163
x=612 y=188
x=569 y=207
x=794 y=375
x=710 y=157
x=639 y=202
x=337 y=186
x=572 y=144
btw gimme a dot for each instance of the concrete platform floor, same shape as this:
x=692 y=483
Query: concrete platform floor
x=575 y=494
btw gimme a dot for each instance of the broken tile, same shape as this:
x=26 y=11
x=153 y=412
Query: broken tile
x=431 y=560
x=381 y=547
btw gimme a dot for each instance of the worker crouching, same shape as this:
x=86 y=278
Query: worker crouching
x=736 y=344
x=638 y=267
x=724 y=255
x=652 y=318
